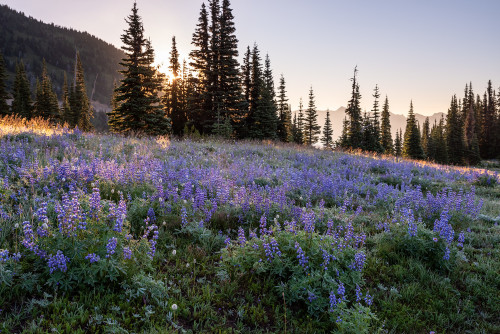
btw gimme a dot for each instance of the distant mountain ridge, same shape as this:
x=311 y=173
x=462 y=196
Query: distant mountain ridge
x=398 y=121
x=30 y=40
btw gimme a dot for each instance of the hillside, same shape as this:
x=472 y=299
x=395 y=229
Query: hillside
x=32 y=41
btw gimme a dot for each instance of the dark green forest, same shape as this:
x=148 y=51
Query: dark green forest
x=30 y=40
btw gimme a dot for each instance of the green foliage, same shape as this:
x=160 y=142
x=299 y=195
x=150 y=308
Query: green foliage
x=306 y=286
x=327 y=139
x=386 y=136
x=412 y=147
x=46 y=104
x=21 y=93
x=312 y=130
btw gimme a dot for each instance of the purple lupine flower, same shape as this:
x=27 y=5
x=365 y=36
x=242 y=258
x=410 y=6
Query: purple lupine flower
x=241 y=237
x=111 y=246
x=333 y=301
x=127 y=253
x=368 y=299
x=311 y=296
x=58 y=262
x=275 y=247
x=461 y=239
x=153 y=241
x=262 y=225
x=303 y=259
x=184 y=216
x=341 y=291
x=92 y=257
x=358 y=293
x=95 y=203
x=326 y=259
x=121 y=215
x=359 y=261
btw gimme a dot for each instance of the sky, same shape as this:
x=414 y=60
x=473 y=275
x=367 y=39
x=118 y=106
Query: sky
x=419 y=50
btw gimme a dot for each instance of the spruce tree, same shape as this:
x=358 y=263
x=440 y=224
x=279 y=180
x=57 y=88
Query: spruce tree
x=353 y=111
x=426 y=134
x=81 y=110
x=412 y=147
x=268 y=103
x=311 y=128
x=199 y=101
x=66 y=115
x=472 y=156
x=437 y=149
x=256 y=115
x=232 y=102
x=284 y=118
x=4 y=96
x=300 y=139
x=376 y=135
x=397 y=143
x=173 y=97
x=454 y=134
x=386 y=136
x=46 y=104
x=114 y=118
x=487 y=140
x=139 y=107
x=343 y=140
x=22 y=104
x=246 y=75
x=327 y=138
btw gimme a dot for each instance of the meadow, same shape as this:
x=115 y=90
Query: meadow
x=111 y=234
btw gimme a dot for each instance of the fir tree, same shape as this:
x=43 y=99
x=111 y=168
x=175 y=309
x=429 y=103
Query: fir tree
x=246 y=75
x=4 y=107
x=327 y=138
x=173 y=96
x=199 y=101
x=426 y=134
x=138 y=106
x=412 y=148
x=353 y=111
x=22 y=103
x=81 y=110
x=487 y=140
x=46 y=104
x=376 y=140
x=255 y=118
x=231 y=100
x=311 y=128
x=454 y=134
x=343 y=140
x=472 y=156
x=114 y=118
x=268 y=103
x=66 y=108
x=284 y=118
x=300 y=138
x=397 y=143
x=437 y=150
x=386 y=139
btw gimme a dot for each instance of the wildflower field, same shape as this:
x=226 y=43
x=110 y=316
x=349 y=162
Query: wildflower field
x=111 y=234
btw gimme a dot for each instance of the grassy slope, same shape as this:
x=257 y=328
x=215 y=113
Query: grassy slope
x=411 y=293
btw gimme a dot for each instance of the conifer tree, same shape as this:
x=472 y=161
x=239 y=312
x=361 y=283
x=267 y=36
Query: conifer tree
x=397 y=143
x=4 y=107
x=255 y=114
x=412 y=147
x=472 y=156
x=22 y=103
x=343 y=140
x=138 y=104
x=300 y=137
x=199 y=101
x=386 y=139
x=437 y=149
x=311 y=128
x=173 y=96
x=66 y=115
x=284 y=114
x=327 y=138
x=114 y=118
x=246 y=75
x=81 y=110
x=231 y=101
x=46 y=104
x=268 y=103
x=454 y=134
x=487 y=140
x=376 y=135
x=353 y=111
x=426 y=134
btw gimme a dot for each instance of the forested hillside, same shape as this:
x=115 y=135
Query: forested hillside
x=32 y=41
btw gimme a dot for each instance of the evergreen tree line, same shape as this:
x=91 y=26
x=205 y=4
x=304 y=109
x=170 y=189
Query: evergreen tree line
x=75 y=110
x=470 y=132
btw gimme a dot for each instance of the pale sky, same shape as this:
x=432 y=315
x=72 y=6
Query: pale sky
x=425 y=50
